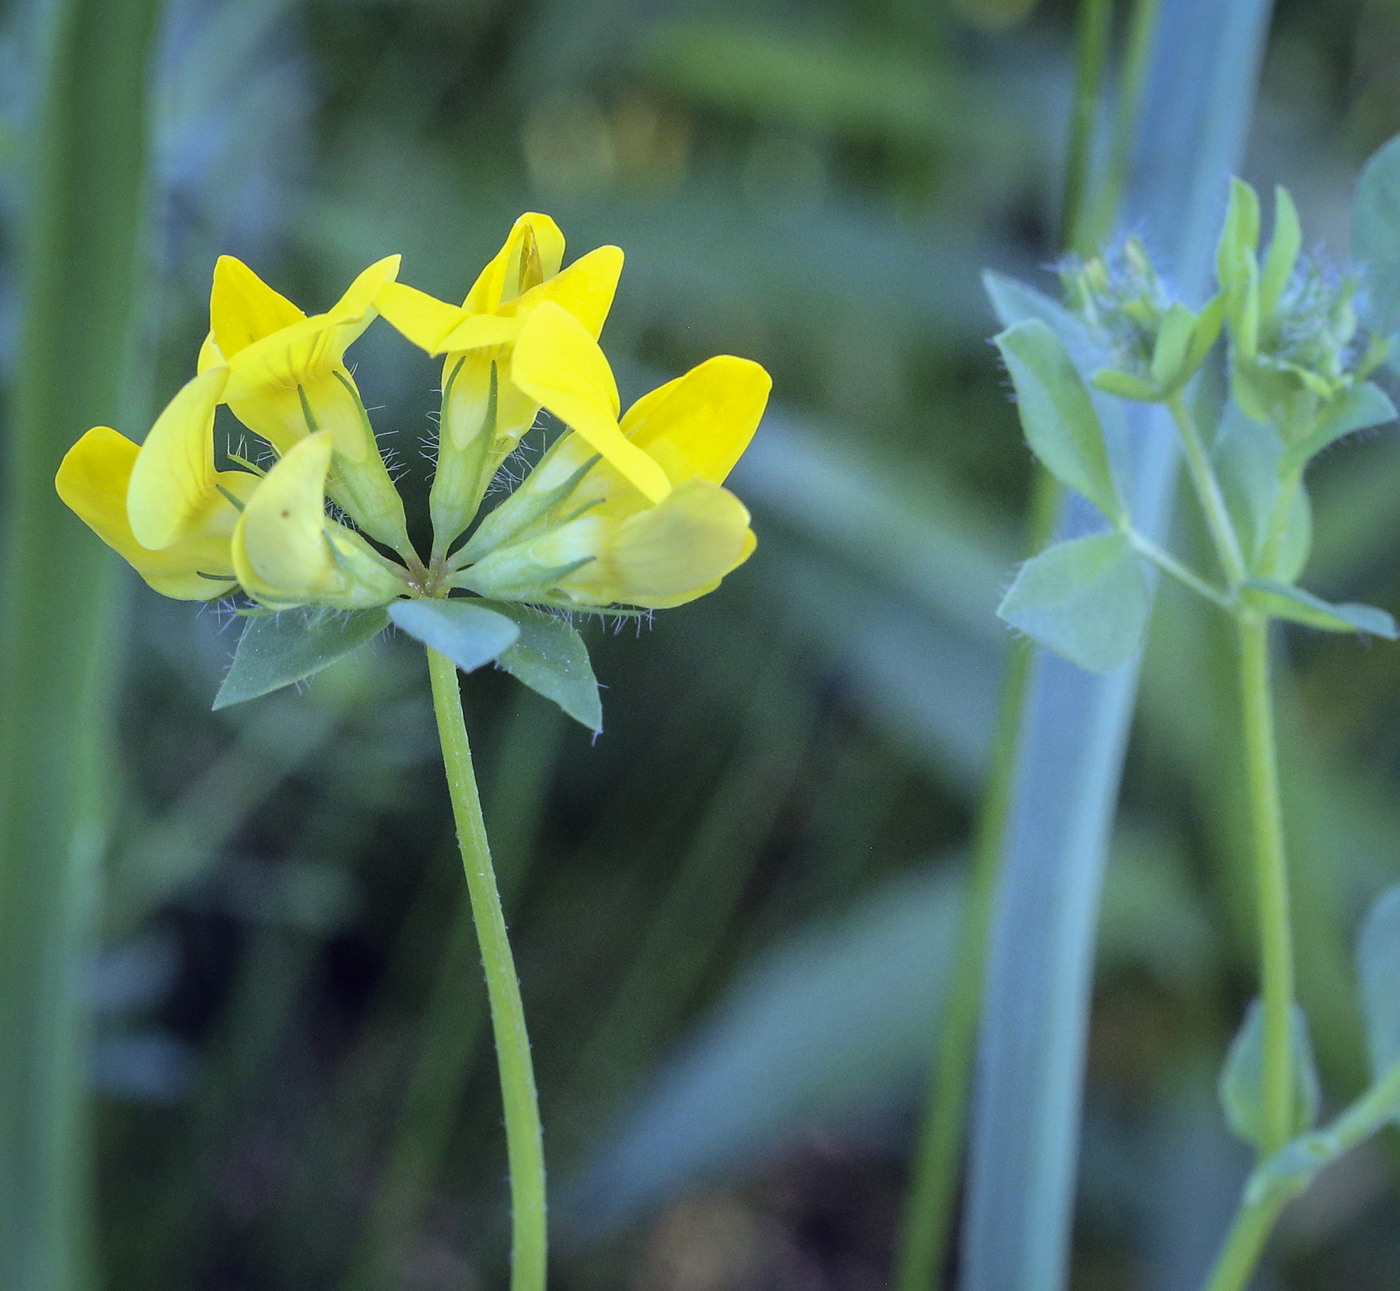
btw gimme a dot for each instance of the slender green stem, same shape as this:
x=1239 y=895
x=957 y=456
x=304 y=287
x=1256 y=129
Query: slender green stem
x=1271 y=878
x=1278 y=521
x=524 y=1135
x=1278 y=1181
x=1142 y=26
x=1222 y=531
x=1092 y=30
x=1169 y=564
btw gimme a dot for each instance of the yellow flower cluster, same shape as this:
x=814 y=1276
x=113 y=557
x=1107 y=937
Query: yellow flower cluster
x=624 y=510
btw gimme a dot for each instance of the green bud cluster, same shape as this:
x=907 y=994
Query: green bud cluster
x=1156 y=344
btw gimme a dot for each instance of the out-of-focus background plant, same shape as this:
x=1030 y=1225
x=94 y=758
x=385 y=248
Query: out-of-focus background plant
x=733 y=913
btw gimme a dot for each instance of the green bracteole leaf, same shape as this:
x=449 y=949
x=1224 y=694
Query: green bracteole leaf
x=464 y=630
x=550 y=657
x=1287 y=242
x=1173 y=342
x=1375 y=238
x=1285 y=601
x=1241 y=1079
x=1356 y=408
x=1125 y=385
x=1088 y=600
x=279 y=649
x=1378 y=971
x=1056 y=413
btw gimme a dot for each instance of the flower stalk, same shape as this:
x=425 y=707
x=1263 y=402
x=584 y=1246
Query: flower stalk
x=524 y=1134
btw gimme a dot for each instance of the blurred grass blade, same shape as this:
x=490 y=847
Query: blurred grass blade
x=87 y=187
x=1023 y=1147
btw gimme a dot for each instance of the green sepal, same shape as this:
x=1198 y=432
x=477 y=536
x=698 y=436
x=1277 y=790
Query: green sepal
x=1378 y=971
x=1209 y=323
x=1056 y=413
x=1358 y=407
x=278 y=649
x=551 y=658
x=1284 y=601
x=1242 y=1078
x=1375 y=238
x=1088 y=600
x=1239 y=238
x=466 y=631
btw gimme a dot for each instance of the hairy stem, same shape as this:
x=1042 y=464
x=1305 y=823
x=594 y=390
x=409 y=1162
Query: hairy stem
x=524 y=1136
x=1222 y=531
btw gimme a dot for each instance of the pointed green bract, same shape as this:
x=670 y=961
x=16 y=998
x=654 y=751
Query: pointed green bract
x=1088 y=600
x=1056 y=413
x=1375 y=238
x=1241 y=1080
x=1296 y=605
x=550 y=657
x=1357 y=408
x=279 y=649
x=1378 y=971
x=465 y=631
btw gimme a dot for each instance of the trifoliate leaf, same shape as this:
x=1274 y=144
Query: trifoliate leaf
x=1056 y=413
x=1378 y=970
x=1087 y=600
x=1356 y=408
x=279 y=649
x=1242 y=1079
x=1293 y=603
x=1375 y=239
x=550 y=657
x=465 y=631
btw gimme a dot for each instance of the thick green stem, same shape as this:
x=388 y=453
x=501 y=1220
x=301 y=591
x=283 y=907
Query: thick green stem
x=1222 y=531
x=524 y=1136
x=1271 y=879
x=1244 y=1244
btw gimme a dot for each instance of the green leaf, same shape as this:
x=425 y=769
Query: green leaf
x=1378 y=970
x=1056 y=414
x=1375 y=238
x=465 y=631
x=283 y=648
x=1356 y=408
x=1241 y=1080
x=1293 y=603
x=1283 y=252
x=550 y=657
x=1246 y=456
x=1207 y=331
x=1086 y=599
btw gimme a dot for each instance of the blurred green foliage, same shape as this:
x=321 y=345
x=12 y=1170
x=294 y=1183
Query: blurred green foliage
x=293 y=1080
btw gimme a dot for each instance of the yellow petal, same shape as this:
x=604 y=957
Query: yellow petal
x=422 y=318
x=680 y=546
x=308 y=347
x=210 y=356
x=559 y=365
x=280 y=552
x=358 y=301
x=480 y=331
x=244 y=309
x=586 y=289
x=699 y=425
x=500 y=280
x=173 y=481
x=92 y=480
